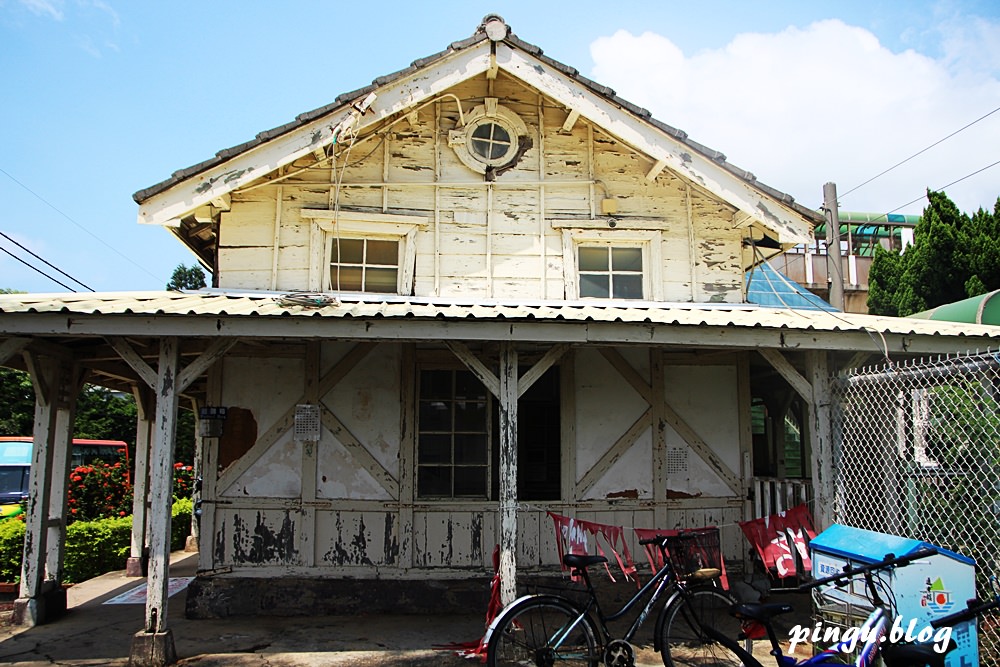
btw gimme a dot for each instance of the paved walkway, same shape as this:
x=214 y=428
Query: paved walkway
x=93 y=633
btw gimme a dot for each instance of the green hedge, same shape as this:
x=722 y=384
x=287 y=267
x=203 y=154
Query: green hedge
x=92 y=547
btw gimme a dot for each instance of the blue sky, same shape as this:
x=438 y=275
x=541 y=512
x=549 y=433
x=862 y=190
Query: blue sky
x=102 y=98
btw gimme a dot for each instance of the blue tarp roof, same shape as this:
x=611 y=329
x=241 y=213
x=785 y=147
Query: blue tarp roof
x=767 y=287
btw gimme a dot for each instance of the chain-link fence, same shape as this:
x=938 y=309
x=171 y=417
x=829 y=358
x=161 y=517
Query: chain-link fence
x=917 y=454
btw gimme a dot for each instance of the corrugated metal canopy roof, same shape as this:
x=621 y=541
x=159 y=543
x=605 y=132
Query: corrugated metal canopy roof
x=299 y=306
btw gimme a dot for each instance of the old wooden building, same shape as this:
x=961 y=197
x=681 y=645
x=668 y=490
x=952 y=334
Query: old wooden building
x=482 y=288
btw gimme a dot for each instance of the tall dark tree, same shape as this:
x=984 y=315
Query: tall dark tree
x=953 y=257
x=185 y=277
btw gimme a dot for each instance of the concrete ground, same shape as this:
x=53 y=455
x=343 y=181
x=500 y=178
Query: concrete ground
x=93 y=633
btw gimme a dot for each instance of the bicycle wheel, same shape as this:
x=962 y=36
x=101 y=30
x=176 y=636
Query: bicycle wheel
x=543 y=631
x=685 y=644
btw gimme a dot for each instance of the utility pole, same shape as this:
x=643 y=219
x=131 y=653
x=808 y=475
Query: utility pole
x=834 y=260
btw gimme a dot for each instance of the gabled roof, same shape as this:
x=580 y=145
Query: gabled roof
x=492 y=47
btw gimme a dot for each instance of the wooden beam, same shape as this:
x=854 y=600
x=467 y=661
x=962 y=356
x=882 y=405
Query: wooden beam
x=12 y=346
x=215 y=351
x=615 y=452
x=655 y=170
x=478 y=368
x=631 y=376
x=701 y=448
x=38 y=378
x=359 y=452
x=787 y=371
x=571 y=118
x=132 y=358
x=549 y=359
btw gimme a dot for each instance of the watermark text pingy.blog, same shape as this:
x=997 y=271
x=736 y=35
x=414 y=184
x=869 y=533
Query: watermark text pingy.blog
x=847 y=639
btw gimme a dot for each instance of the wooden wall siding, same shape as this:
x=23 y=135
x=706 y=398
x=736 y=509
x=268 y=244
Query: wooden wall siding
x=356 y=539
x=614 y=448
x=256 y=538
x=265 y=243
x=707 y=398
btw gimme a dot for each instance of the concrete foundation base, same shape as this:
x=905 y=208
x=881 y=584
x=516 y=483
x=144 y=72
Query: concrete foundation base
x=152 y=649
x=228 y=596
x=135 y=567
x=43 y=609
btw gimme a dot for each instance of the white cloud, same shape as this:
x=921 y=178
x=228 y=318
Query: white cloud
x=44 y=8
x=827 y=102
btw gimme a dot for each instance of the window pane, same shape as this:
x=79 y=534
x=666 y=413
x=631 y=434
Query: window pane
x=470 y=482
x=593 y=259
x=434 y=448
x=382 y=252
x=470 y=416
x=435 y=416
x=468 y=386
x=347 y=278
x=628 y=286
x=435 y=384
x=626 y=259
x=434 y=481
x=380 y=280
x=593 y=285
x=351 y=251
x=484 y=131
x=470 y=448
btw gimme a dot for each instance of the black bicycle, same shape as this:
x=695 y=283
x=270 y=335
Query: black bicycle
x=545 y=630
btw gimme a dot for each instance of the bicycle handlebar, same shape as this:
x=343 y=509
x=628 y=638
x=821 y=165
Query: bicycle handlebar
x=889 y=561
x=973 y=608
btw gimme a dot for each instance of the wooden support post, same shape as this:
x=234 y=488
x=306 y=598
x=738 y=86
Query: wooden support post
x=38 y=600
x=508 y=472
x=821 y=429
x=155 y=644
x=658 y=384
x=135 y=565
x=67 y=390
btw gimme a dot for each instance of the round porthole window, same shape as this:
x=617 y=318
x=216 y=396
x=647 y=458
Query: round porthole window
x=490 y=138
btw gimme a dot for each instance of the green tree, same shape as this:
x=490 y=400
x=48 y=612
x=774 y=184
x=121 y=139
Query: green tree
x=187 y=278
x=953 y=257
x=17 y=403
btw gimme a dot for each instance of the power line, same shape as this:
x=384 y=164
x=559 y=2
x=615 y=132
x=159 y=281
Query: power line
x=102 y=241
x=34 y=268
x=41 y=259
x=883 y=173
x=943 y=187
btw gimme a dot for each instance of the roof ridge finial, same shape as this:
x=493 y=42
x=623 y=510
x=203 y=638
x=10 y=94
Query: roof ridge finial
x=495 y=27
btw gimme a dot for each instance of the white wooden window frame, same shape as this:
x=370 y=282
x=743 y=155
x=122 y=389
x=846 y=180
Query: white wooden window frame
x=490 y=441
x=327 y=225
x=648 y=240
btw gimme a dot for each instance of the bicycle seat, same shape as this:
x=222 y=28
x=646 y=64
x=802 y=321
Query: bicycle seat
x=704 y=574
x=759 y=612
x=582 y=560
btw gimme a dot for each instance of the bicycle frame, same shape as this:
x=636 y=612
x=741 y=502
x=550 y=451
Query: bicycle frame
x=663 y=578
